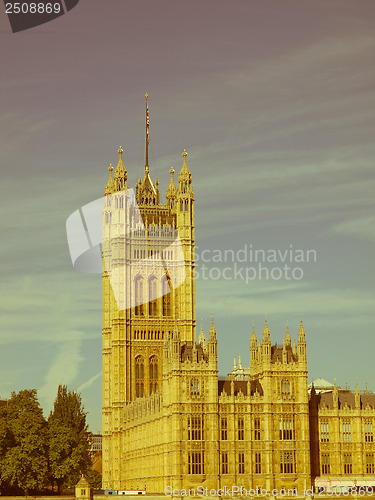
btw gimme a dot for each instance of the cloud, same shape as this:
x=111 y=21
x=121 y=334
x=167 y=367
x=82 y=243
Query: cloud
x=363 y=227
x=89 y=382
x=64 y=369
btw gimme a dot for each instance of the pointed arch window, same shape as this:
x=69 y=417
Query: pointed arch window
x=139 y=298
x=153 y=374
x=166 y=299
x=139 y=376
x=285 y=387
x=152 y=294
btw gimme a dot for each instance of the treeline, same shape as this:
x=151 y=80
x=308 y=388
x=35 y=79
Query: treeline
x=36 y=453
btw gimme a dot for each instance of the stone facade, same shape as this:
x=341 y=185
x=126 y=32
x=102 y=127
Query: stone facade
x=168 y=419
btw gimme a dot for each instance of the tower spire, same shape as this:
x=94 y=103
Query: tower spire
x=147 y=130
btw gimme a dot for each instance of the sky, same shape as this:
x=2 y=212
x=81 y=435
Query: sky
x=274 y=103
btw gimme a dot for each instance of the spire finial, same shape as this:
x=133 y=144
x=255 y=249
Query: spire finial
x=171 y=171
x=110 y=168
x=184 y=154
x=120 y=151
x=266 y=320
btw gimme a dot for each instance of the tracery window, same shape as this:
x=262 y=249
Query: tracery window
x=153 y=374
x=139 y=299
x=166 y=299
x=139 y=376
x=152 y=294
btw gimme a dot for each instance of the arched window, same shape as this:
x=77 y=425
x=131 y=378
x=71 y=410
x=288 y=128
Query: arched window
x=285 y=387
x=153 y=374
x=139 y=298
x=152 y=294
x=139 y=377
x=166 y=298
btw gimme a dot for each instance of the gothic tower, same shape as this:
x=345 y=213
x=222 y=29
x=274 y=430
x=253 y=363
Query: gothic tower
x=148 y=290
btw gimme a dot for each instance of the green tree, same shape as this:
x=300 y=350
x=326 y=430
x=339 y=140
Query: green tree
x=23 y=442
x=68 y=439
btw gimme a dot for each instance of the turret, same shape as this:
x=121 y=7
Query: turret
x=357 y=397
x=266 y=343
x=110 y=187
x=120 y=175
x=202 y=338
x=287 y=343
x=171 y=193
x=301 y=343
x=212 y=343
x=253 y=346
x=185 y=191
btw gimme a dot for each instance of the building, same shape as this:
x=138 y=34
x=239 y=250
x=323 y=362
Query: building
x=168 y=420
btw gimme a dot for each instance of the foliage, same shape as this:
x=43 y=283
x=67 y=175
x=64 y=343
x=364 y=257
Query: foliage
x=68 y=439
x=94 y=478
x=23 y=442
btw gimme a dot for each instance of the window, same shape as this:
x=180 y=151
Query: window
x=346 y=432
x=369 y=432
x=258 y=463
x=324 y=432
x=196 y=462
x=287 y=462
x=139 y=302
x=166 y=299
x=224 y=429
x=153 y=374
x=194 y=387
x=257 y=428
x=195 y=428
x=348 y=463
x=370 y=467
x=325 y=465
x=241 y=463
x=139 y=377
x=285 y=387
x=152 y=294
x=241 y=430
x=224 y=463
x=286 y=428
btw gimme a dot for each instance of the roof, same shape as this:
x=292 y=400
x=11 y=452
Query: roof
x=239 y=386
x=346 y=398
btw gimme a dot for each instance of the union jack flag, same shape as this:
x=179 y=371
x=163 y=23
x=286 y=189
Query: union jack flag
x=147 y=125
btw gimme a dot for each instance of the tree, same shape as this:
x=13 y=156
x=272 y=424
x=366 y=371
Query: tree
x=23 y=442
x=68 y=439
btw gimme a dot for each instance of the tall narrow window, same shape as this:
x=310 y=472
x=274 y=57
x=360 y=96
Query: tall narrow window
x=286 y=428
x=346 y=432
x=257 y=428
x=287 y=462
x=348 y=468
x=195 y=428
x=224 y=463
x=369 y=431
x=139 y=376
x=224 y=429
x=196 y=462
x=241 y=428
x=285 y=387
x=139 y=299
x=194 y=387
x=166 y=299
x=153 y=374
x=258 y=463
x=325 y=465
x=324 y=432
x=370 y=467
x=241 y=463
x=152 y=294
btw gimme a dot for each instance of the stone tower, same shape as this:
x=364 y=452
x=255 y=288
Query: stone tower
x=148 y=290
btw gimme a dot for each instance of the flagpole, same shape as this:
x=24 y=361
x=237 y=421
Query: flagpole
x=147 y=129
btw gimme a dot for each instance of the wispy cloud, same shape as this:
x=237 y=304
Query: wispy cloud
x=89 y=382
x=64 y=369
